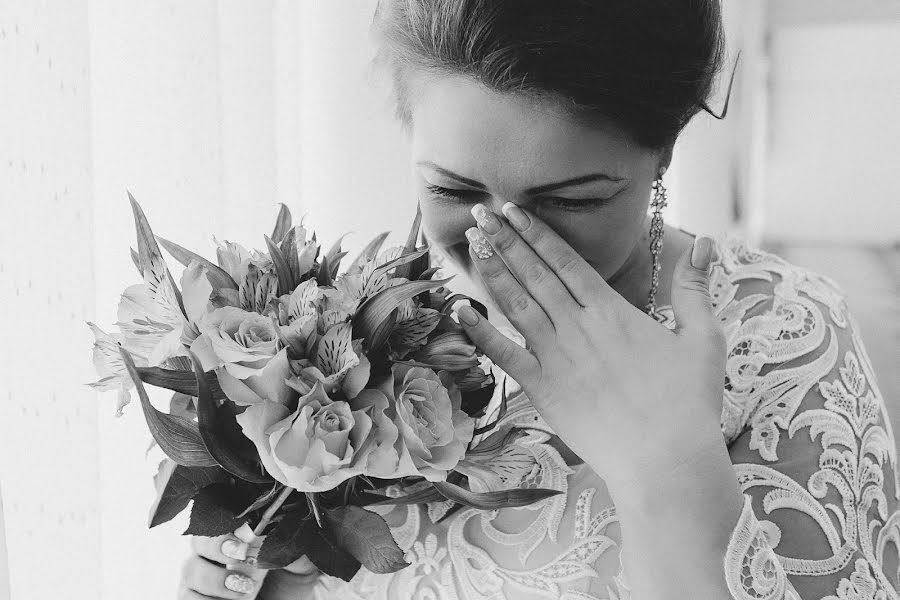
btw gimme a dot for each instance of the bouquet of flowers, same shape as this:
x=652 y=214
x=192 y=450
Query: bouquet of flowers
x=302 y=392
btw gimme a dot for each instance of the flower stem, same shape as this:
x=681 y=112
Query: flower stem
x=313 y=504
x=270 y=512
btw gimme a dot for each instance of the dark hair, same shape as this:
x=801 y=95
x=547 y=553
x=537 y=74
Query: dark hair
x=647 y=65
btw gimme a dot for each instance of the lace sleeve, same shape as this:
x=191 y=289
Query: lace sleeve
x=816 y=458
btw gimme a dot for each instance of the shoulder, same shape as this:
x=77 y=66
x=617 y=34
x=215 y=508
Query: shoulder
x=784 y=325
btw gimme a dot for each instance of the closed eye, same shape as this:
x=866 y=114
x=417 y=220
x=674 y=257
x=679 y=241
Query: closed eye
x=473 y=196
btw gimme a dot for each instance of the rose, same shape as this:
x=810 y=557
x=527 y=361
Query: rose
x=434 y=430
x=244 y=350
x=387 y=456
x=312 y=448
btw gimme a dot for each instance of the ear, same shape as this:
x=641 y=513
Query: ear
x=665 y=157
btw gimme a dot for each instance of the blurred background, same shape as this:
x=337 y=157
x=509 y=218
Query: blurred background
x=211 y=112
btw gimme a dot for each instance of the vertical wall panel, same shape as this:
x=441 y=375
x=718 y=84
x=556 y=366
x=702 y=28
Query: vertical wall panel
x=156 y=132
x=833 y=133
x=48 y=418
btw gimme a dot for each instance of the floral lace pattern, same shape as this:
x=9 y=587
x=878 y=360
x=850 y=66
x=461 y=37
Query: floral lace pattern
x=808 y=434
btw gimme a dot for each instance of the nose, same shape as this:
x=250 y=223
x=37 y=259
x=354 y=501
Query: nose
x=495 y=203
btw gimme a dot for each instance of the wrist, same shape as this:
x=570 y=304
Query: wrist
x=665 y=466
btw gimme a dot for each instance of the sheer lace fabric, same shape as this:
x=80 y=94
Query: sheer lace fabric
x=808 y=435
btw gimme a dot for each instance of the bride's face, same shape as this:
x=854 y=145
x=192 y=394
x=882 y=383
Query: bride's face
x=472 y=145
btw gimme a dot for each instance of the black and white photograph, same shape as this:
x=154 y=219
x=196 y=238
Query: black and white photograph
x=449 y=299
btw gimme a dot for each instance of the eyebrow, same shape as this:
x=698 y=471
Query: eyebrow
x=541 y=189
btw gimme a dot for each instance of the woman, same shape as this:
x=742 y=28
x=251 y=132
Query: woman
x=540 y=132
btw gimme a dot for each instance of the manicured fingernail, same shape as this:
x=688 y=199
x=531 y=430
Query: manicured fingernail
x=479 y=243
x=486 y=219
x=516 y=216
x=239 y=583
x=700 y=255
x=468 y=315
x=234 y=549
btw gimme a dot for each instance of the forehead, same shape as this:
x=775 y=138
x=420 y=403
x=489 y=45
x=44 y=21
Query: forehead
x=487 y=135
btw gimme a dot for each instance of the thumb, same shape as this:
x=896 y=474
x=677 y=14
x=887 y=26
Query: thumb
x=691 y=301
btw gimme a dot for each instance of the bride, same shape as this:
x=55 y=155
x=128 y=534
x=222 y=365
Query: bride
x=708 y=408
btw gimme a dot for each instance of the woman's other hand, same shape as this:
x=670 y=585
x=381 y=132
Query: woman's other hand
x=204 y=575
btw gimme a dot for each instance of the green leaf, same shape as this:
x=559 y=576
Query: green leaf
x=369 y=252
x=366 y=536
x=414 y=269
x=334 y=256
x=218 y=277
x=176 y=485
x=137 y=261
x=377 y=308
x=286 y=541
x=429 y=494
x=215 y=510
x=263 y=500
x=397 y=263
x=152 y=264
x=212 y=432
x=289 y=250
x=493 y=500
x=282 y=270
x=282 y=223
x=180 y=381
x=324 y=552
x=428 y=273
x=178 y=437
x=324 y=275
x=297 y=534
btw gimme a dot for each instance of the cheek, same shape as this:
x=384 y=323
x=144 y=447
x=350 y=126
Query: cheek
x=445 y=227
x=605 y=238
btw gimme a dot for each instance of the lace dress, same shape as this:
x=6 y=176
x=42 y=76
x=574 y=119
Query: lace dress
x=808 y=434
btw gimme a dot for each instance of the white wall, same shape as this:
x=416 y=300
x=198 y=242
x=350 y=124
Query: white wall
x=832 y=167
x=49 y=447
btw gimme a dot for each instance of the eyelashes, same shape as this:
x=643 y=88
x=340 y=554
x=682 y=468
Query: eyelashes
x=471 y=196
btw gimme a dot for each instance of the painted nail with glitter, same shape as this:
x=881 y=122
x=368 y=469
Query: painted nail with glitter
x=234 y=549
x=239 y=583
x=487 y=220
x=479 y=243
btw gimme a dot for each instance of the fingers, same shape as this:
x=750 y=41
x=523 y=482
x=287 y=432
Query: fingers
x=199 y=574
x=515 y=360
x=528 y=267
x=690 y=290
x=185 y=594
x=223 y=549
x=517 y=304
x=580 y=279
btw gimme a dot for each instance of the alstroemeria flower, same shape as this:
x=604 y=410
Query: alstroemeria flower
x=451 y=350
x=109 y=365
x=497 y=464
x=242 y=345
x=429 y=419
x=338 y=364
x=236 y=260
x=151 y=321
x=313 y=448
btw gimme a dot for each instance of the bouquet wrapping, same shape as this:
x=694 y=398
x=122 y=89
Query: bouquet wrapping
x=302 y=391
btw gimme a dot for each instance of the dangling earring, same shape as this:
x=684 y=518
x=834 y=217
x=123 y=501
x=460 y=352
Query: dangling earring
x=657 y=230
